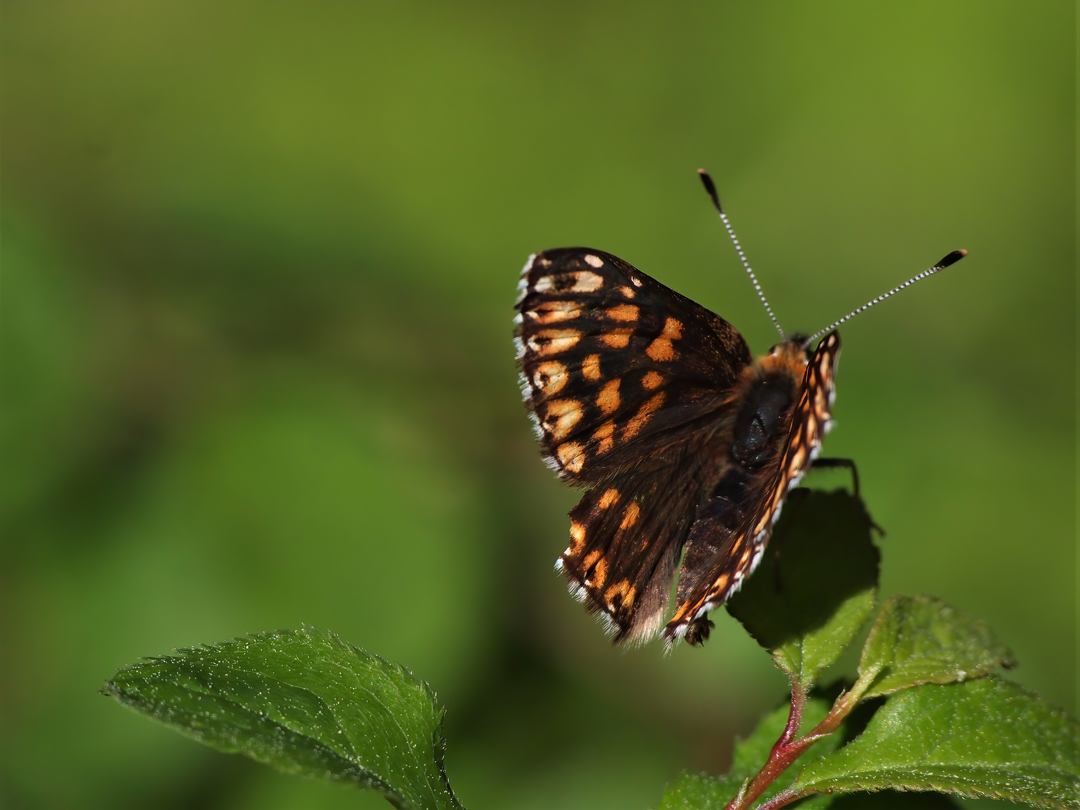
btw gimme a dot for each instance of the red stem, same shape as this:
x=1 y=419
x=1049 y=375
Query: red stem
x=783 y=753
x=798 y=703
x=784 y=798
x=788 y=749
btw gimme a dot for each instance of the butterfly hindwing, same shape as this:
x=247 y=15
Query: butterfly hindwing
x=625 y=540
x=612 y=360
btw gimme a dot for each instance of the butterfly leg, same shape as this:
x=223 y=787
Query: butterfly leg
x=832 y=463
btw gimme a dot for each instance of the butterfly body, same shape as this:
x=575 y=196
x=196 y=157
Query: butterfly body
x=687 y=445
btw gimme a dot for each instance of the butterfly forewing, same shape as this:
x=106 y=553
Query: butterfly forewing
x=612 y=361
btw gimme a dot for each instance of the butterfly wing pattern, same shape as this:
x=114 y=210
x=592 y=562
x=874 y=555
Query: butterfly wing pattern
x=685 y=443
x=612 y=360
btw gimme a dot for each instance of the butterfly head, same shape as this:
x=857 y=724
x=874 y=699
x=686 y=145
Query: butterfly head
x=794 y=344
x=795 y=351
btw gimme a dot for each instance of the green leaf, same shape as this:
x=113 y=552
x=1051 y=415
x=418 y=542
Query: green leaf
x=807 y=602
x=888 y=800
x=920 y=639
x=980 y=739
x=699 y=791
x=704 y=792
x=306 y=703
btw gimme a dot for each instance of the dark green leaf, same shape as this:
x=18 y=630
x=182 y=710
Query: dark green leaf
x=816 y=585
x=922 y=640
x=983 y=738
x=306 y=703
x=704 y=792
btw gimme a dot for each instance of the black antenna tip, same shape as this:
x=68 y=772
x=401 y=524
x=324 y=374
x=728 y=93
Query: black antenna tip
x=711 y=188
x=952 y=258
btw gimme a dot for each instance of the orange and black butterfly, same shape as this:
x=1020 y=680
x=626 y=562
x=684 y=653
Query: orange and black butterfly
x=686 y=444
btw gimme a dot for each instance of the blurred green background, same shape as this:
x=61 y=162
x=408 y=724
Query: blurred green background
x=258 y=267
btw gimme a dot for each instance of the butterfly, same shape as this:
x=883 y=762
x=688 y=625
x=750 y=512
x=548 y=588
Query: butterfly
x=685 y=443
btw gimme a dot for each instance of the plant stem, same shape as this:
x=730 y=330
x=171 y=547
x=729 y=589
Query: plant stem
x=782 y=755
x=783 y=798
x=787 y=749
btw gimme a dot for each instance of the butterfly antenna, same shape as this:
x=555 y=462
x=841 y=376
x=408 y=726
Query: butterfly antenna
x=952 y=258
x=711 y=188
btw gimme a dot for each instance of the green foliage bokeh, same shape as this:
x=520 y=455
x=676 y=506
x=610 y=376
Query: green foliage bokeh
x=258 y=262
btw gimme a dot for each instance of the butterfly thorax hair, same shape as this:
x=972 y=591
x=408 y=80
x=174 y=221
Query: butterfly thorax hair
x=759 y=401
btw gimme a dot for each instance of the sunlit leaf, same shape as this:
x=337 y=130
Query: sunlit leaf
x=306 y=703
x=920 y=639
x=983 y=738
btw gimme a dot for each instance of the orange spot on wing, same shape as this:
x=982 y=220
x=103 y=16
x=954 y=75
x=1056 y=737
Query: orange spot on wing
x=623 y=312
x=577 y=535
x=624 y=591
x=642 y=416
x=560 y=417
x=604 y=436
x=799 y=459
x=554 y=311
x=608 y=399
x=821 y=401
x=550 y=377
x=554 y=341
x=587 y=282
x=590 y=367
x=617 y=338
x=630 y=516
x=599 y=574
x=652 y=380
x=572 y=456
x=661 y=350
x=609 y=497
